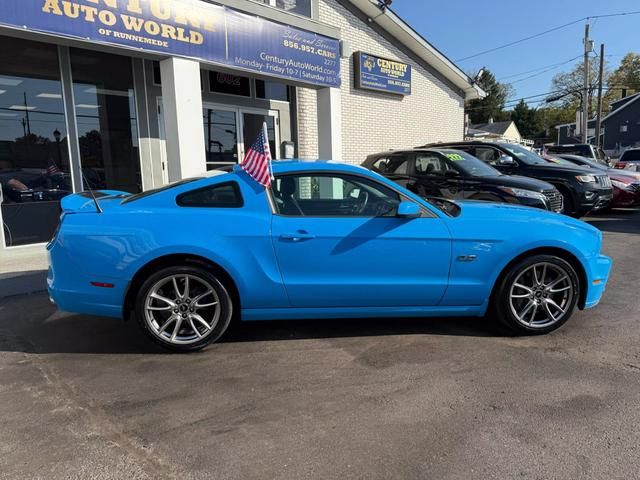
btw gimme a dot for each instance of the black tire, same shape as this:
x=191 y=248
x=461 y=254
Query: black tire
x=504 y=308
x=204 y=280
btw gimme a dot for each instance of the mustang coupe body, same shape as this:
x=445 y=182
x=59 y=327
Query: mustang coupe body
x=327 y=240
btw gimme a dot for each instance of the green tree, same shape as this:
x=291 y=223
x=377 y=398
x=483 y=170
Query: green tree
x=627 y=75
x=526 y=120
x=568 y=87
x=492 y=106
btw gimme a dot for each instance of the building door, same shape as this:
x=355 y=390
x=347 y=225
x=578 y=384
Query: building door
x=228 y=133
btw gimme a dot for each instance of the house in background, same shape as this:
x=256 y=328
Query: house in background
x=620 y=128
x=497 y=131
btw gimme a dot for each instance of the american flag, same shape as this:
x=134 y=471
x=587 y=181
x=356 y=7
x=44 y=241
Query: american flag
x=52 y=168
x=257 y=160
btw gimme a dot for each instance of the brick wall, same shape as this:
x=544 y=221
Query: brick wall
x=371 y=121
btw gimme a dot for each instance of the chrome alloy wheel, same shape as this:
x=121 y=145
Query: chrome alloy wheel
x=182 y=309
x=541 y=295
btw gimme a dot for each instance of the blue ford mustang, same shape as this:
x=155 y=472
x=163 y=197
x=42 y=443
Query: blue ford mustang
x=328 y=240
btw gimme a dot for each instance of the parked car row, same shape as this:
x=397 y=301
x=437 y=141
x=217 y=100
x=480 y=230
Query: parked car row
x=506 y=172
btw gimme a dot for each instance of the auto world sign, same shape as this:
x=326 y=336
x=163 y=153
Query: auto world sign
x=381 y=74
x=187 y=28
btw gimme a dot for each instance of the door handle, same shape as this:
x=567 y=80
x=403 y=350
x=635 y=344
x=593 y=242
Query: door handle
x=297 y=237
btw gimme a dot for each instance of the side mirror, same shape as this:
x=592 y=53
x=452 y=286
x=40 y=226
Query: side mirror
x=506 y=161
x=408 y=210
x=452 y=174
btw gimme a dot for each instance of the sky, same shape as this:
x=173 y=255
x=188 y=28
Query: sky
x=461 y=28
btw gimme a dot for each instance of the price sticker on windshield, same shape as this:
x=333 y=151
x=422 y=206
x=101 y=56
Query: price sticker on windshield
x=456 y=157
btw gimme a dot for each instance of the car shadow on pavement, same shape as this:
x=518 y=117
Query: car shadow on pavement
x=59 y=332
x=624 y=220
x=274 y=330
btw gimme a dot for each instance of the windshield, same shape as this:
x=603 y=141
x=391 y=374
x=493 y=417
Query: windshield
x=587 y=162
x=559 y=161
x=469 y=164
x=523 y=154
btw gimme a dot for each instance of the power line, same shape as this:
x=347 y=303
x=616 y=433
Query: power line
x=544 y=71
x=560 y=27
x=540 y=68
x=510 y=44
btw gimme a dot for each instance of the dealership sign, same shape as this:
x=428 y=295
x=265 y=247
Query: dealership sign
x=188 y=28
x=381 y=74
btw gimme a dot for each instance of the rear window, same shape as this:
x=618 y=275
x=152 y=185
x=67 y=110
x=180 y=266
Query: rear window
x=630 y=155
x=179 y=183
x=223 y=195
x=153 y=191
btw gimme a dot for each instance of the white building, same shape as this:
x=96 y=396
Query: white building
x=129 y=94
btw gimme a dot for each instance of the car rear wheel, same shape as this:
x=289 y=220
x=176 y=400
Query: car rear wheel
x=183 y=308
x=537 y=295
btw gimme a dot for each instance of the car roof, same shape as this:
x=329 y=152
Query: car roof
x=570 y=145
x=461 y=142
x=413 y=150
x=304 y=165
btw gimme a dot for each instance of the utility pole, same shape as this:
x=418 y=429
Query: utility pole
x=600 y=82
x=588 y=46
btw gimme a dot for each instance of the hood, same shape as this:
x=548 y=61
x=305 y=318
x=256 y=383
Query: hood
x=554 y=167
x=503 y=212
x=84 y=202
x=517 y=181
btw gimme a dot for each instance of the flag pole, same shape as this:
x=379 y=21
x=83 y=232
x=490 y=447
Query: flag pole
x=265 y=132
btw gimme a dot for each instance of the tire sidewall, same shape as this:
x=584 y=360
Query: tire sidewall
x=226 y=306
x=502 y=308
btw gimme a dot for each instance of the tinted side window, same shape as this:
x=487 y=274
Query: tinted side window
x=430 y=164
x=225 y=195
x=332 y=195
x=395 y=164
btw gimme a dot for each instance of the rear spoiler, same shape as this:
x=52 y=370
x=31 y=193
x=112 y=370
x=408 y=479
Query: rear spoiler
x=85 y=202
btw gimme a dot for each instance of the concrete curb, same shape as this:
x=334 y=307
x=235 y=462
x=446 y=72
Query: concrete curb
x=22 y=283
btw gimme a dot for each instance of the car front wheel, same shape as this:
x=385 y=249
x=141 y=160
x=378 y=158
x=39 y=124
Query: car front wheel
x=537 y=295
x=183 y=308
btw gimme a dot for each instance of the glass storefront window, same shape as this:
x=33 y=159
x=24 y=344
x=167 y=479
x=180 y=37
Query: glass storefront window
x=221 y=135
x=34 y=154
x=107 y=123
x=270 y=90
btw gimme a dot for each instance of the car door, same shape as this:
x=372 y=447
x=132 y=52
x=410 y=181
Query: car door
x=435 y=173
x=339 y=243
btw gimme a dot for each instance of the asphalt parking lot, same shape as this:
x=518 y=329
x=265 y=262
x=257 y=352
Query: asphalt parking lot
x=84 y=397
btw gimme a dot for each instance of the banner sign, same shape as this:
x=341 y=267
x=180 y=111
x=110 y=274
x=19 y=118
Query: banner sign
x=381 y=74
x=188 y=28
